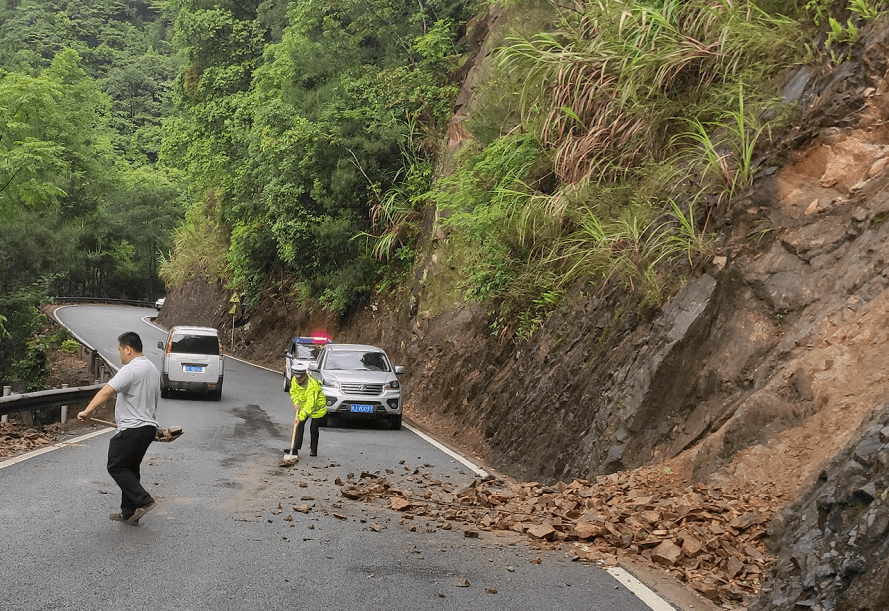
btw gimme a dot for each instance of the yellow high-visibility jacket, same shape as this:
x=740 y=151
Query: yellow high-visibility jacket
x=309 y=401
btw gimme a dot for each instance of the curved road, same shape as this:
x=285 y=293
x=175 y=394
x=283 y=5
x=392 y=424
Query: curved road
x=233 y=531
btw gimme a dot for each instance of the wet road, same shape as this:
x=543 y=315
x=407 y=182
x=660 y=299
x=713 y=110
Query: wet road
x=234 y=531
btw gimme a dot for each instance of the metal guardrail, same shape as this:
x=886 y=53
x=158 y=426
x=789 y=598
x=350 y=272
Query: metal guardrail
x=132 y=302
x=59 y=397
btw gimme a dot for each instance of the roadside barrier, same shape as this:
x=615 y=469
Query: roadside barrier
x=62 y=398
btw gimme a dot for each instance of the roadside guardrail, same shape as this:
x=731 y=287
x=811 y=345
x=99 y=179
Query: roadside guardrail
x=60 y=397
x=132 y=302
x=43 y=399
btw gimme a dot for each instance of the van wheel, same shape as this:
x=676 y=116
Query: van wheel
x=286 y=384
x=217 y=394
x=165 y=392
x=395 y=423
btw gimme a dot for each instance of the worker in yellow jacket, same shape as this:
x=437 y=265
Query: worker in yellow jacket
x=310 y=404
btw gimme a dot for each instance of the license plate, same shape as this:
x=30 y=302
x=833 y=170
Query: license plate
x=362 y=408
x=193 y=369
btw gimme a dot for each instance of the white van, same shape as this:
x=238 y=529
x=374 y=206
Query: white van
x=193 y=361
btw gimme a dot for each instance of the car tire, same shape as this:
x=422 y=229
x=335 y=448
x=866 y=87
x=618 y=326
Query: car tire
x=217 y=394
x=286 y=384
x=165 y=392
x=395 y=422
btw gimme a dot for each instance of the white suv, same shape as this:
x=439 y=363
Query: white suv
x=359 y=382
x=193 y=361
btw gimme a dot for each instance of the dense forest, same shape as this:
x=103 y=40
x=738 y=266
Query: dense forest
x=295 y=149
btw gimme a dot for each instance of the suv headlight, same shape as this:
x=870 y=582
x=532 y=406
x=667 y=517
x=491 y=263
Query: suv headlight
x=330 y=384
x=392 y=385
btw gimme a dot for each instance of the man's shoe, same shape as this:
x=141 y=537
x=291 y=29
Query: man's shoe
x=119 y=518
x=141 y=511
x=313 y=453
x=291 y=451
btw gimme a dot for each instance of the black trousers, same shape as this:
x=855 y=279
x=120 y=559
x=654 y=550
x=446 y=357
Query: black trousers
x=314 y=433
x=125 y=453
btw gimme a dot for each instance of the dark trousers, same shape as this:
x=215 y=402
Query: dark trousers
x=314 y=433
x=125 y=453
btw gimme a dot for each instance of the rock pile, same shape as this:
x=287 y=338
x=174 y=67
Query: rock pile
x=13 y=441
x=708 y=537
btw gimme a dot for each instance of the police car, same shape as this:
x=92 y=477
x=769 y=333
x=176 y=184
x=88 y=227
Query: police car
x=302 y=350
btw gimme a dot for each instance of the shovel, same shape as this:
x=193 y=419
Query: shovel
x=289 y=459
x=167 y=434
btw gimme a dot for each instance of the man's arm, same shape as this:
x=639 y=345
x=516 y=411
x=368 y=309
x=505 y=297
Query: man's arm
x=105 y=393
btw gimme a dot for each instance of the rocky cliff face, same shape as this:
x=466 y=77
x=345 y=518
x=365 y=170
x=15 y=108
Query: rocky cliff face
x=766 y=371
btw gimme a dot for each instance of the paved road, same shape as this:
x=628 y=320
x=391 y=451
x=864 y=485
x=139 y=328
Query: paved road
x=227 y=534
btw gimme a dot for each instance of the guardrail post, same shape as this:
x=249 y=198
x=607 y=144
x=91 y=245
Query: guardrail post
x=94 y=362
x=64 y=417
x=7 y=390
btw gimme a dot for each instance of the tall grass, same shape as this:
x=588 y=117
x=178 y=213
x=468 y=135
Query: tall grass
x=200 y=244
x=644 y=117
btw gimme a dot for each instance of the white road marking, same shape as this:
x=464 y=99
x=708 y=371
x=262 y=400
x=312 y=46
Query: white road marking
x=655 y=602
x=55 y=446
x=478 y=470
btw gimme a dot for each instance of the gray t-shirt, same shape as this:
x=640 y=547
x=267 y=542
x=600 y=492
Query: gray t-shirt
x=138 y=386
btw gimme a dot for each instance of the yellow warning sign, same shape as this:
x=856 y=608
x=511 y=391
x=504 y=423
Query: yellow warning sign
x=235 y=299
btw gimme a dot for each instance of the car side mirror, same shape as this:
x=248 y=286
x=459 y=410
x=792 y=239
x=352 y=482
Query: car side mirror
x=160 y=345
x=399 y=369
x=314 y=366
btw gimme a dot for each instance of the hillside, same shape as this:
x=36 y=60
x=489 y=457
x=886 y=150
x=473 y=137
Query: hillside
x=759 y=379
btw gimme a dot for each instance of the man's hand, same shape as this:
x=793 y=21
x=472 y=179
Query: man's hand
x=105 y=393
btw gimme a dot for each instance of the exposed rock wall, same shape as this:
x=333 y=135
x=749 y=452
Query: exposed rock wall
x=832 y=543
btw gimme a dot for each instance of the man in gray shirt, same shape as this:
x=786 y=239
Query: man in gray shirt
x=137 y=386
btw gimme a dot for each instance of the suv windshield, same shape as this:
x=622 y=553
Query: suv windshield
x=357 y=361
x=195 y=344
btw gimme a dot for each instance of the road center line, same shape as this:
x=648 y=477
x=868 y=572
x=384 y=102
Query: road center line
x=55 y=446
x=655 y=602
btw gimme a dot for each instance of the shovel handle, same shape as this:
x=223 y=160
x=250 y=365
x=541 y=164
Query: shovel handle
x=105 y=422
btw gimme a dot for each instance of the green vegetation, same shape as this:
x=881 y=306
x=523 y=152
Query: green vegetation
x=84 y=208
x=289 y=148
x=644 y=117
x=314 y=135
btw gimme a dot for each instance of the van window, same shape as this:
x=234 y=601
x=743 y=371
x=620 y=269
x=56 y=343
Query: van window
x=196 y=344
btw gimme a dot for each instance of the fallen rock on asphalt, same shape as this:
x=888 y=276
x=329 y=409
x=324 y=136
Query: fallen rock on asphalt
x=706 y=536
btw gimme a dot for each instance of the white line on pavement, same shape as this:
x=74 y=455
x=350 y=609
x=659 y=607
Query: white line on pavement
x=56 y=446
x=478 y=470
x=655 y=602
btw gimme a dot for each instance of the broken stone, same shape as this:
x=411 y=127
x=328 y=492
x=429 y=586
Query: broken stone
x=542 y=531
x=399 y=503
x=667 y=553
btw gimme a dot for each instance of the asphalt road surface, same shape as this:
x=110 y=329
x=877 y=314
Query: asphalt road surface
x=235 y=531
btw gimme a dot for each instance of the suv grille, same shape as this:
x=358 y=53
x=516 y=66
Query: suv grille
x=363 y=389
